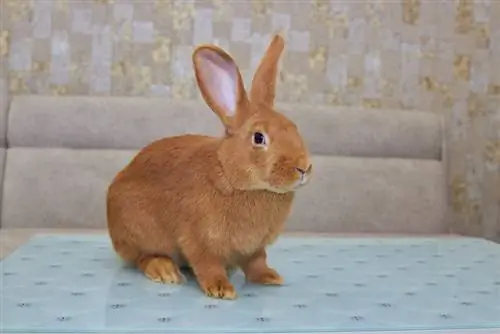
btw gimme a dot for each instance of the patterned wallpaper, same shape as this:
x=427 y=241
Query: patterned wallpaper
x=439 y=55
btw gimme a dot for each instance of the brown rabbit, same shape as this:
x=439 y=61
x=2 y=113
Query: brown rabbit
x=213 y=203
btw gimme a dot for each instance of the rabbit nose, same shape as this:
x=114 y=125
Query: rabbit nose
x=304 y=171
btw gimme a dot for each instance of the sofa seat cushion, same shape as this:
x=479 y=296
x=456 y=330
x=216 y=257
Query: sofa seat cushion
x=2 y=164
x=4 y=105
x=66 y=188
x=372 y=195
x=58 y=187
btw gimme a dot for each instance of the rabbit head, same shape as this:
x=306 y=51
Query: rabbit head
x=262 y=149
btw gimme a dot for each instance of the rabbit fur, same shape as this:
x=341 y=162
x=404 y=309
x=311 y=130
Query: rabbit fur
x=213 y=203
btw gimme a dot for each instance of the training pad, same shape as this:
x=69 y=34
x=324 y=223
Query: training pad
x=77 y=284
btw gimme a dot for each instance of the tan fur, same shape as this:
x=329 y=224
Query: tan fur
x=212 y=203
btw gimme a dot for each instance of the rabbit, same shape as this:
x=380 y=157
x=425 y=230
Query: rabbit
x=209 y=203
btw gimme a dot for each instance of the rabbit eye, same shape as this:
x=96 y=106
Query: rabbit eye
x=259 y=139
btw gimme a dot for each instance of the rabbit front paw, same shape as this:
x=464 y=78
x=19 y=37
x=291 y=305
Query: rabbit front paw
x=219 y=288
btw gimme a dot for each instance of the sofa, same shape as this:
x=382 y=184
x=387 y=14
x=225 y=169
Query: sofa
x=375 y=171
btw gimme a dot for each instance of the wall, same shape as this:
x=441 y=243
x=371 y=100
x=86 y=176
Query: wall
x=442 y=56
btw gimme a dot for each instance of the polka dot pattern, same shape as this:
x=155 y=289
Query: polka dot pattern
x=77 y=283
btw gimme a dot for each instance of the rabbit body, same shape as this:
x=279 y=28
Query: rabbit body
x=213 y=203
x=157 y=206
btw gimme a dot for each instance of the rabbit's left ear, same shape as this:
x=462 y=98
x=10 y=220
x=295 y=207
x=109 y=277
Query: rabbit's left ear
x=264 y=82
x=220 y=83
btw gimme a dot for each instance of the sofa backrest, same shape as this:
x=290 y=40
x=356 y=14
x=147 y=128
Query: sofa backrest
x=131 y=123
x=375 y=170
x=4 y=104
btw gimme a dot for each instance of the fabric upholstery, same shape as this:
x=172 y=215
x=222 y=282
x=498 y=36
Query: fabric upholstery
x=131 y=123
x=4 y=103
x=2 y=163
x=67 y=189
x=372 y=195
x=375 y=171
x=58 y=187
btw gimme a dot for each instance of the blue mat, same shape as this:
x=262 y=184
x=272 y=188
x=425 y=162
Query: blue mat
x=77 y=284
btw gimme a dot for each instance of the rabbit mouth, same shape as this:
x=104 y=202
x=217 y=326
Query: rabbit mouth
x=301 y=183
x=283 y=189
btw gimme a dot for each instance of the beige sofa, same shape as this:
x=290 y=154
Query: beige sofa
x=376 y=171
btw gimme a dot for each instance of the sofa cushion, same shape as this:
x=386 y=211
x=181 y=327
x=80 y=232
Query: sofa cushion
x=67 y=188
x=372 y=195
x=2 y=164
x=4 y=104
x=47 y=188
x=132 y=122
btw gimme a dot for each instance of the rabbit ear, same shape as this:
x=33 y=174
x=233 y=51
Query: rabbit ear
x=220 y=82
x=264 y=81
